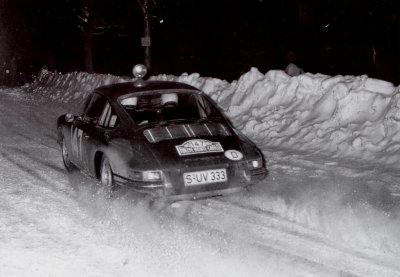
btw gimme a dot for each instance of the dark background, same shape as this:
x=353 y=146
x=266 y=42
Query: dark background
x=217 y=38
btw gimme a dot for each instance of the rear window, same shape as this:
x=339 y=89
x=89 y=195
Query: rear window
x=167 y=106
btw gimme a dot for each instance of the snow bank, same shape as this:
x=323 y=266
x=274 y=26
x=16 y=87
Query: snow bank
x=71 y=86
x=341 y=116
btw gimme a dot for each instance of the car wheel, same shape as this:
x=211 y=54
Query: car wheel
x=69 y=166
x=107 y=179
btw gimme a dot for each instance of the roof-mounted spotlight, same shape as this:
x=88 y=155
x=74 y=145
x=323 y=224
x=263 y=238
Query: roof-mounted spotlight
x=139 y=71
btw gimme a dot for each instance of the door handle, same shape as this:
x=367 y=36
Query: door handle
x=107 y=136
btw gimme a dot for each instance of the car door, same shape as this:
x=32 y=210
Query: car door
x=98 y=137
x=82 y=127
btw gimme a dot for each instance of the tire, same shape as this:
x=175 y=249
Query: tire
x=69 y=166
x=106 y=178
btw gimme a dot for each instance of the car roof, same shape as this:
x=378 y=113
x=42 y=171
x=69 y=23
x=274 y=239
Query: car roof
x=116 y=90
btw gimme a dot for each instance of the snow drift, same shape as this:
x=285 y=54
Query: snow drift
x=340 y=116
x=69 y=87
x=343 y=116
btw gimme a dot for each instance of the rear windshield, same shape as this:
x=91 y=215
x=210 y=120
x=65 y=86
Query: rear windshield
x=168 y=106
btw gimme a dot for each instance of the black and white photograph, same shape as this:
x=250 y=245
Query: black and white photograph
x=200 y=138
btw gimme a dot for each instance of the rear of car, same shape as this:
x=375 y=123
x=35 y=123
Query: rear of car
x=167 y=139
x=196 y=151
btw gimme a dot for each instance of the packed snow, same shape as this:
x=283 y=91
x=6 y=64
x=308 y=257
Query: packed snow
x=329 y=207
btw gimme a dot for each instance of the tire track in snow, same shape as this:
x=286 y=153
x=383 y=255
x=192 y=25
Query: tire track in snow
x=197 y=215
x=284 y=225
x=280 y=237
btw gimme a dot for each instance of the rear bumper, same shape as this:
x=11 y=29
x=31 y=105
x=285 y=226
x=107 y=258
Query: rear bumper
x=173 y=192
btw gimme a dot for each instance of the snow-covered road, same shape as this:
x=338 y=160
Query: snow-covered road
x=312 y=216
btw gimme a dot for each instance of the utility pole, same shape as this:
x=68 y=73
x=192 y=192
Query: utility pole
x=146 y=39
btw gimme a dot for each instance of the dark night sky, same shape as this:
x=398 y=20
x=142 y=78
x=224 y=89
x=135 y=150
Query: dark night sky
x=215 y=38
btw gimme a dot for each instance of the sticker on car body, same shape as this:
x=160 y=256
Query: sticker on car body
x=198 y=146
x=233 y=155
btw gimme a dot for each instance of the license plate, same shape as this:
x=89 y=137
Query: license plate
x=205 y=177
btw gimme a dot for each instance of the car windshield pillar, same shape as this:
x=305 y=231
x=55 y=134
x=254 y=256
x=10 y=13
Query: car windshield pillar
x=94 y=108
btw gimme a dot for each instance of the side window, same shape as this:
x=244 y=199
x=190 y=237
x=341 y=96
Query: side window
x=188 y=106
x=86 y=103
x=95 y=107
x=210 y=108
x=108 y=118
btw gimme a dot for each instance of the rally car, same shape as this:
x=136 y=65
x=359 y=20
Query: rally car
x=167 y=139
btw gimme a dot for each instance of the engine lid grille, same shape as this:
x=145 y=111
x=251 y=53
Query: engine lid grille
x=161 y=133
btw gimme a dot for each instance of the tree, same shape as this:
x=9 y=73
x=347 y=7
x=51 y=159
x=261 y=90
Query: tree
x=10 y=50
x=90 y=24
x=4 y=52
x=100 y=19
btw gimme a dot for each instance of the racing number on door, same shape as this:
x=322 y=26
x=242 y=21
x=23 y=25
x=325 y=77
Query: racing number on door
x=76 y=142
